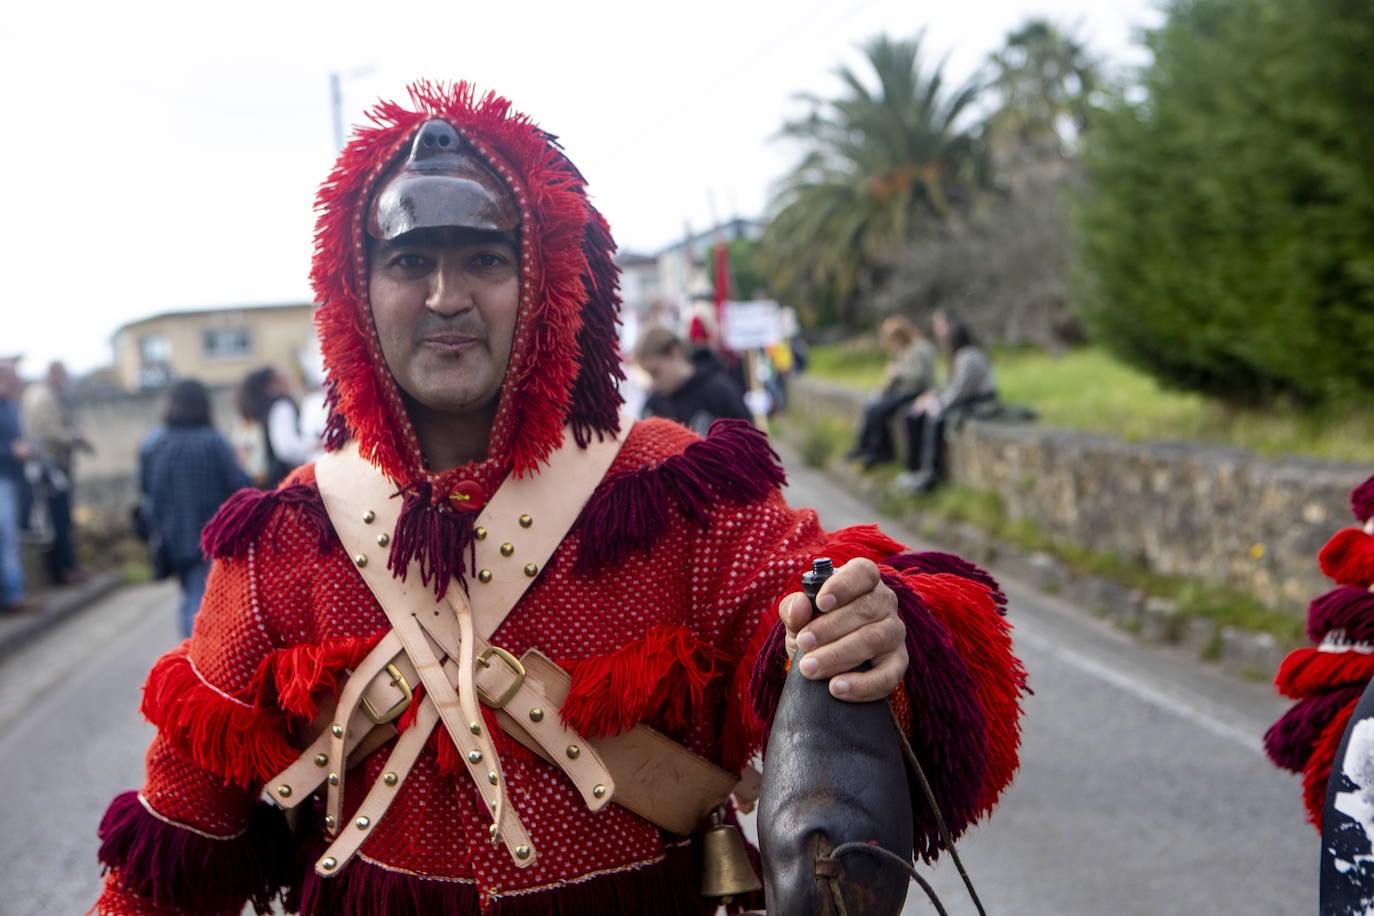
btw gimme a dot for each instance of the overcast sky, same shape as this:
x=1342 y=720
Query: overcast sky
x=162 y=156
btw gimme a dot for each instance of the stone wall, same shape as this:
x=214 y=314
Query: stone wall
x=1221 y=515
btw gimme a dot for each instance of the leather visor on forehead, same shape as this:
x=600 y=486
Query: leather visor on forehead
x=441 y=183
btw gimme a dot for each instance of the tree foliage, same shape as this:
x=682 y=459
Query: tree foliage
x=1229 y=235
x=1043 y=78
x=878 y=160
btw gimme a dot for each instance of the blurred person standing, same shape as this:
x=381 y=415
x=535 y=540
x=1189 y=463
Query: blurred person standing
x=971 y=382
x=265 y=399
x=694 y=392
x=910 y=371
x=51 y=425
x=186 y=470
x=14 y=451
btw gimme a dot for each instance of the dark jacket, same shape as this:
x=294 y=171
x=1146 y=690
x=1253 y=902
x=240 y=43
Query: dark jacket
x=185 y=474
x=11 y=430
x=707 y=396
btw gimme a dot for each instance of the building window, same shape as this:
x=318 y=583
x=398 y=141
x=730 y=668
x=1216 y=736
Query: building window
x=226 y=344
x=154 y=361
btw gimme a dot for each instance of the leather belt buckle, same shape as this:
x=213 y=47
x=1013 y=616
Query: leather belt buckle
x=515 y=665
x=397 y=680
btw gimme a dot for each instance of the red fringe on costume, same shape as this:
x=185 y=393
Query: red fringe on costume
x=734 y=462
x=1345 y=608
x=1289 y=742
x=430 y=531
x=983 y=639
x=294 y=678
x=244 y=744
x=244 y=515
x=1307 y=672
x=658 y=679
x=189 y=872
x=1318 y=769
x=1348 y=558
x=1362 y=501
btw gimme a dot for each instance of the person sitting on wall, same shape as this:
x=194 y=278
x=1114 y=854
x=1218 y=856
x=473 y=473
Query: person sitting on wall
x=694 y=392
x=971 y=382
x=910 y=371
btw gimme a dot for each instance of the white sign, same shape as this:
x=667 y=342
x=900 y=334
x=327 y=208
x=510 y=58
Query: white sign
x=751 y=325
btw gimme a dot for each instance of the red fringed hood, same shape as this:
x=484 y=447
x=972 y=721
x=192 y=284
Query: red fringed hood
x=564 y=366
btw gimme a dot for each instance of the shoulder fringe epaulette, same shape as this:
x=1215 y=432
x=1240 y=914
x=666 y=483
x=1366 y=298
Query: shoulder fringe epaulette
x=245 y=515
x=630 y=511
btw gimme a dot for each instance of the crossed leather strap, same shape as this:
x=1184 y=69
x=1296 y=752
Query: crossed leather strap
x=444 y=646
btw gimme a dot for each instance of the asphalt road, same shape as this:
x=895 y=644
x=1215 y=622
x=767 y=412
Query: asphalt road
x=1142 y=792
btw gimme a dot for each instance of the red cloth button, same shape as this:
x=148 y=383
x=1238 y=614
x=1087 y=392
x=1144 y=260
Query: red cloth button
x=467 y=496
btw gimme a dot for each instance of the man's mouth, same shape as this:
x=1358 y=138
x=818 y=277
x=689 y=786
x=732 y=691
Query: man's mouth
x=450 y=343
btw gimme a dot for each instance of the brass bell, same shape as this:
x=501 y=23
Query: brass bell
x=726 y=871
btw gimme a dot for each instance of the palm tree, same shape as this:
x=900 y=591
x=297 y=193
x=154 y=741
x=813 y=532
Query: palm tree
x=1043 y=78
x=879 y=162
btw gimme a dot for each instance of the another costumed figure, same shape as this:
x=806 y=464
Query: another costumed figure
x=499 y=650
x=1328 y=735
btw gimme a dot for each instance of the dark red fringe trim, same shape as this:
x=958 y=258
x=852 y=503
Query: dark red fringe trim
x=670 y=887
x=949 y=731
x=596 y=400
x=629 y=512
x=242 y=518
x=440 y=538
x=934 y=561
x=1362 y=501
x=768 y=677
x=1289 y=742
x=1348 y=558
x=182 y=870
x=1344 y=608
x=1317 y=772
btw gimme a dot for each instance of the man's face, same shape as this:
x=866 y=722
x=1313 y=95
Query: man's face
x=444 y=302
x=666 y=371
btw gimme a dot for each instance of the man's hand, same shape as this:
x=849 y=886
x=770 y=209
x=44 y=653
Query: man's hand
x=859 y=624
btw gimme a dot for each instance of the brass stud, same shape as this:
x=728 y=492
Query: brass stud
x=329 y=821
x=536 y=714
x=369 y=517
x=526 y=521
x=491 y=777
x=329 y=863
x=574 y=751
x=336 y=731
x=333 y=779
x=480 y=533
x=475 y=728
x=484 y=576
x=321 y=760
x=599 y=791
x=362 y=823
x=495 y=833
x=522 y=852
x=284 y=791
x=383 y=539
x=360 y=560
x=507 y=549
x=531 y=570
x=475 y=756
x=389 y=778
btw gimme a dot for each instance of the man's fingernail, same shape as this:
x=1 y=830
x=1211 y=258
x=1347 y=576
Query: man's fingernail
x=809 y=666
x=827 y=602
x=839 y=688
x=806 y=641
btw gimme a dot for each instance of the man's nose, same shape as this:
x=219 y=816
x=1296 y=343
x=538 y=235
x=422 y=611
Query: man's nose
x=448 y=288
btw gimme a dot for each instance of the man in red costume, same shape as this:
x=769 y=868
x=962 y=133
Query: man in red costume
x=356 y=615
